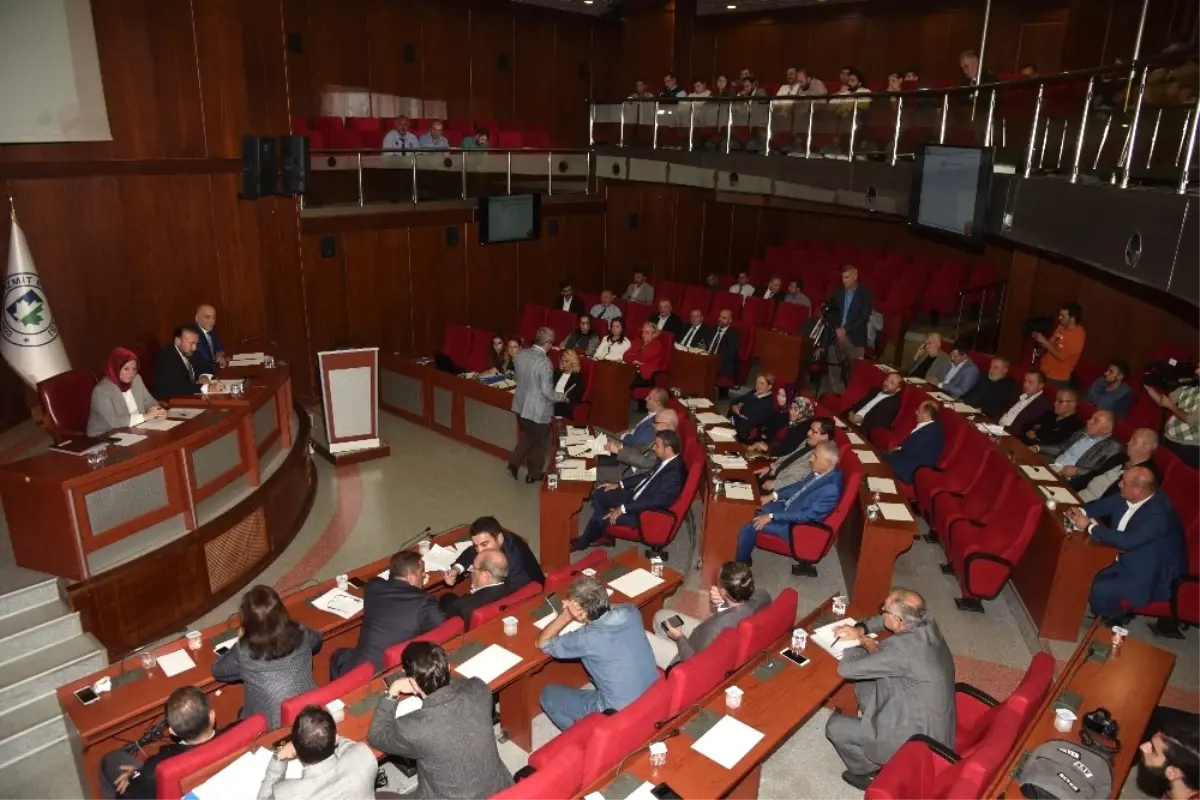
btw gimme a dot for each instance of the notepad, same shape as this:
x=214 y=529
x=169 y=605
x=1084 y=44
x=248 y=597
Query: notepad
x=490 y=664
x=883 y=367
x=882 y=485
x=408 y=705
x=739 y=491
x=709 y=418
x=175 y=662
x=1039 y=473
x=697 y=402
x=854 y=438
x=159 y=424
x=963 y=408
x=584 y=475
x=825 y=639
x=338 y=602
x=898 y=512
x=635 y=582
x=727 y=742
x=184 y=413
x=126 y=439
x=866 y=457
x=722 y=434
x=1060 y=494
x=545 y=621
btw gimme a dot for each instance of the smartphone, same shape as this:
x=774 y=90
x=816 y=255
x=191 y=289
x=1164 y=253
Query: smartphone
x=664 y=792
x=281 y=741
x=674 y=622
x=87 y=695
x=796 y=658
x=358 y=583
x=224 y=647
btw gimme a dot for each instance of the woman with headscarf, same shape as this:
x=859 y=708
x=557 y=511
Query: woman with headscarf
x=120 y=399
x=780 y=439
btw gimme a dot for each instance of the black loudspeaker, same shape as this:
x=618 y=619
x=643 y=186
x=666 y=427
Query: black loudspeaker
x=260 y=170
x=328 y=247
x=294 y=152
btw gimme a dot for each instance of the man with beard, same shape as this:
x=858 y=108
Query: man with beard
x=1171 y=763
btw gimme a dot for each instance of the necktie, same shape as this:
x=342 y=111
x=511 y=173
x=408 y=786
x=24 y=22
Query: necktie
x=187 y=363
x=716 y=342
x=691 y=334
x=806 y=482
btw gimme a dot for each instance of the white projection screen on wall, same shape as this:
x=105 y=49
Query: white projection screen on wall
x=50 y=89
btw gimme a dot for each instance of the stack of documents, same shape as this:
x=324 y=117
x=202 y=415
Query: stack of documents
x=339 y=602
x=572 y=463
x=574 y=438
x=963 y=408
x=709 y=418
x=730 y=461
x=575 y=430
x=635 y=582
x=247 y=359
x=599 y=445
x=586 y=475
x=440 y=559
x=824 y=636
x=489 y=664
x=882 y=485
x=1039 y=473
x=697 y=402
x=723 y=434
x=727 y=742
x=739 y=491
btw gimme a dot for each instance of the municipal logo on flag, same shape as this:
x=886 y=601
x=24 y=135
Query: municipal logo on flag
x=26 y=320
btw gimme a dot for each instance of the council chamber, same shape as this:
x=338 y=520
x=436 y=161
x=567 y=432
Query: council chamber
x=600 y=398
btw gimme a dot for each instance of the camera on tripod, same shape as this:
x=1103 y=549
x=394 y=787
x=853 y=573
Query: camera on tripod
x=1169 y=375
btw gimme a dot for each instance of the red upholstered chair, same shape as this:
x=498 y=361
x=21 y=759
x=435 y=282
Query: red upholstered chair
x=356 y=678
x=757 y=312
x=563 y=323
x=758 y=631
x=694 y=297
x=811 y=541
x=657 y=528
x=581 y=414
x=562 y=577
x=790 y=317
x=1180 y=486
x=510 y=140
x=673 y=291
x=532 y=318
x=491 y=611
x=983 y=506
x=745 y=351
x=612 y=737
x=1182 y=610
x=478 y=350
x=984 y=558
x=330 y=124
x=960 y=472
x=66 y=402
x=975 y=711
x=558 y=777
x=439 y=635
x=906 y=418
x=573 y=742
x=690 y=680
x=169 y=776
x=635 y=315
x=1167 y=461
x=967 y=493
x=456 y=342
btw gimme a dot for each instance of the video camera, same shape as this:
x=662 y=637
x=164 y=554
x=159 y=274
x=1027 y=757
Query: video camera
x=1169 y=375
x=1043 y=325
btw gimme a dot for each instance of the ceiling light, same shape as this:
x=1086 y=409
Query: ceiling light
x=587 y=2
x=731 y=6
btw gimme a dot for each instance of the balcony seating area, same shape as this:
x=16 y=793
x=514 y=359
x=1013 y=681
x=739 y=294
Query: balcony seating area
x=367 y=133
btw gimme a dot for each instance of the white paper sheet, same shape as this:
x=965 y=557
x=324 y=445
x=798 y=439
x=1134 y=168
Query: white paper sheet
x=867 y=456
x=488 y=665
x=238 y=781
x=990 y=429
x=126 y=439
x=914 y=381
x=175 y=662
x=739 y=491
x=697 y=402
x=824 y=637
x=882 y=485
x=897 y=512
x=1039 y=473
x=339 y=603
x=854 y=438
x=159 y=424
x=408 y=705
x=572 y=463
x=579 y=450
x=709 y=418
x=963 y=408
x=184 y=413
x=545 y=621
x=585 y=475
x=1060 y=494
x=567 y=441
x=575 y=430
x=838 y=422
x=635 y=582
x=255 y=356
x=440 y=559
x=599 y=445
x=883 y=367
x=730 y=461
x=723 y=434
x=727 y=742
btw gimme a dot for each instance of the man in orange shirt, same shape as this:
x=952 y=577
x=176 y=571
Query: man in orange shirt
x=1064 y=347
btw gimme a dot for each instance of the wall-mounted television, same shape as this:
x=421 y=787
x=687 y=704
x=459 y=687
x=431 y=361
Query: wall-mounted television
x=950 y=190
x=510 y=218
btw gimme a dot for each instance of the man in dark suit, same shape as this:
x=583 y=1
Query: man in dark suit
x=851 y=308
x=176 y=373
x=395 y=608
x=620 y=503
x=667 y=320
x=811 y=499
x=725 y=343
x=1144 y=526
x=994 y=394
x=1048 y=432
x=921 y=448
x=1032 y=403
x=488 y=534
x=772 y=291
x=489 y=583
x=210 y=353
x=567 y=299
x=878 y=407
x=696 y=334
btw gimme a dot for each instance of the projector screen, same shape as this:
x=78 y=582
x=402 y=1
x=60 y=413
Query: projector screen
x=50 y=89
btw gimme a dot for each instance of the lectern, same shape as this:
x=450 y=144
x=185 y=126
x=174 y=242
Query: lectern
x=350 y=396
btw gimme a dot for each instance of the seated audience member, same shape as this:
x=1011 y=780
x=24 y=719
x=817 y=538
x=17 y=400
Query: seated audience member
x=332 y=766
x=488 y=534
x=700 y=88
x=712 y=282
x=930 y=361
x=210 y=353
x=395 y=609
x=1086 y=451
x=1054 y=427
x=567 y=301
x=489 y=583
x=904 y=686
x=175 y=373
x=479 y=141
x=1143 y=525
x=606 y=309
x=810 y=499
x=568 y=381
x=961 y=377
x=994 y=394
x=639 y=291
x=502 y=357
x=725 y=343
x=790 y=88
x=1106 y=480
x=722 y=87
x=1181 y=435
x=272 y=657
x=1170 y=762
x=120 y=399
x=697 y=334
x=433 y=139
x=640 y=90
x=623 y=461
x=853 y=85
x=781 y=440
x=620 y=503
x=734 y=598
x=895 y=83
x=1064 y=347
x=450 y=736
x=1033 y=401
x=742 y=285
x=400 y=138
x=750 y=88
x=795 y=294
x=1029 y=70
x=754 y=410
x=1110 y=391
x=878 y=407
x=614 y=345
x=612 y=646
x=968 y=62
x=583 y=337
x=189 y=720
x=643 y=431
x=772 y=291
x=797 y=464
x=666 y=320
x=650 y=356
x=921 y=448
x=671 y=87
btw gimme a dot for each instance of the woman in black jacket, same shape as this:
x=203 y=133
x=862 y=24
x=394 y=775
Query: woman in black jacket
x=569 y=381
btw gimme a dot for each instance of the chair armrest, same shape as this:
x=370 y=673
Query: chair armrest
x=978 y=694
x=666 y=512
x=936 y=747
x=1176 y=586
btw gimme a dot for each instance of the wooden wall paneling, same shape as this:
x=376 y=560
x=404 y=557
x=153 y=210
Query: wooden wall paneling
x=377 y=291
x=445 y=37
x=689 y=239
x=276 y=224
x=335 y=45
x=493 y=285
x=658 y=221
x=608 y=63
x=533 y=55
x=325 y=291
x=225 y=76
x=390 y=28
x=835 y=41
x=439 y=282
x=572 y=80
x=718 y=226
x=1022 y=280
x=238 y=244
x=743 y=240
x=1084 y=38
x=1042 y=44
x=539 y=271
x=737 y=48
x=587 y=233
x=648 y=41
x=177 y=119
x=888 y=43
x=492 y=39
x=301 y=96
x=702 y=61
x=625 y=227
x=684 y=24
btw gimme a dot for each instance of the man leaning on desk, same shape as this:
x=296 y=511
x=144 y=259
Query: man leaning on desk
x=488 y=534
x=175 y=371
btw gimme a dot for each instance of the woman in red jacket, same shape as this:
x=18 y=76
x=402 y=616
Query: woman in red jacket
x=650 y=356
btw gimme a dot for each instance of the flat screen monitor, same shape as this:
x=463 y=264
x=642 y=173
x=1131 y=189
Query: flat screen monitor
x=950 y=189
x=510 y=218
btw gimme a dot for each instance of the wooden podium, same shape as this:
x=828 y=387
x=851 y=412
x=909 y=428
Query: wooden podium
x=350 y=397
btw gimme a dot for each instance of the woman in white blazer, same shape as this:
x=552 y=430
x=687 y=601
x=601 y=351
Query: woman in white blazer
x=120 y=399
x=613 y=346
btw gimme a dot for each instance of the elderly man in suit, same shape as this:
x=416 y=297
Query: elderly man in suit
x=488 y=534
x=1085 y=452
x=395 y=609
x=333 y=767
x=210 y=353
x=961 y=377
x=994 y=394
x=794 y=466
x=630 y=460
x=810 y=499
x=666 y=319
x=1143 y=524
x=533 y=403
x=879 y=406
x=489 y=583
x=176 y=373
x=904 y=686
x=450 y=736
x=921 y=448
x=851 y=308
x=1032 y=403
x=929 y=362
x=640 y=437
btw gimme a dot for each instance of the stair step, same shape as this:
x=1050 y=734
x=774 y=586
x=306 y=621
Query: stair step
x=30 y=727
x=52 y=772
x=35 y=628
x=42 y=671
x=36 y=591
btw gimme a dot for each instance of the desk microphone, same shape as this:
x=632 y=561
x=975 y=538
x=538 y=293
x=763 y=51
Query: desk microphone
x=305 y=584
x=662 y=723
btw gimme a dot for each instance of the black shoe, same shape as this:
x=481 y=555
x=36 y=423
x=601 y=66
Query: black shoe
x=531 y=479
x=512 y=471
x=381 y=779
x=860 y=782
x=577 y=545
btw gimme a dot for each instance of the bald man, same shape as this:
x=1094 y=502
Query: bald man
x=489 y=583
x=930 y=361
x=210 y=353
x=1141 y=522
x=1087 y=451
x=1139 y=452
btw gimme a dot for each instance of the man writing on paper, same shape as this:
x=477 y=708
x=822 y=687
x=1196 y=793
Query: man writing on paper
x=533 y=403
x=332 y=766
x=630 y=460
x=488 y=534
x=904 y=686
x=450 y=736
x=489 y=583
x=921 y=448
x=175 y=371
x=612 y=646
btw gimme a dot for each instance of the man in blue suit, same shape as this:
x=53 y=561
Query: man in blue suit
x=1141 y=523
x=210 y=353
x=809 y=500
x=922 y=447
x=620 y=503
x=643 y=432
x=961 y=377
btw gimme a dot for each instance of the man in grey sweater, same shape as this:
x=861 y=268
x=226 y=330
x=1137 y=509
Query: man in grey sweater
x=735 y=598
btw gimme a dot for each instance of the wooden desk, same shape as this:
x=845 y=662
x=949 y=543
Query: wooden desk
x=724 y=516
x=559 y=510
x=781 y=354
x=1129 y=685
x=611 y=381
x=695 y=374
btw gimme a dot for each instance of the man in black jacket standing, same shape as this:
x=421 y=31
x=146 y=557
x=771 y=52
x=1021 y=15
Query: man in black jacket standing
x=851 y=309
x=395 y=609
x=488 y=534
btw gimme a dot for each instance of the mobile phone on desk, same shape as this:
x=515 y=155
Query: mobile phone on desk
x=358 y=583
x=674 y=622
x=664 y=792
x=796 y=658
x=281 y=741
x=86 y=695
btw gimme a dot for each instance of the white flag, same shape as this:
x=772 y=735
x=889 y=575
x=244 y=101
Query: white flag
x=29 y=339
